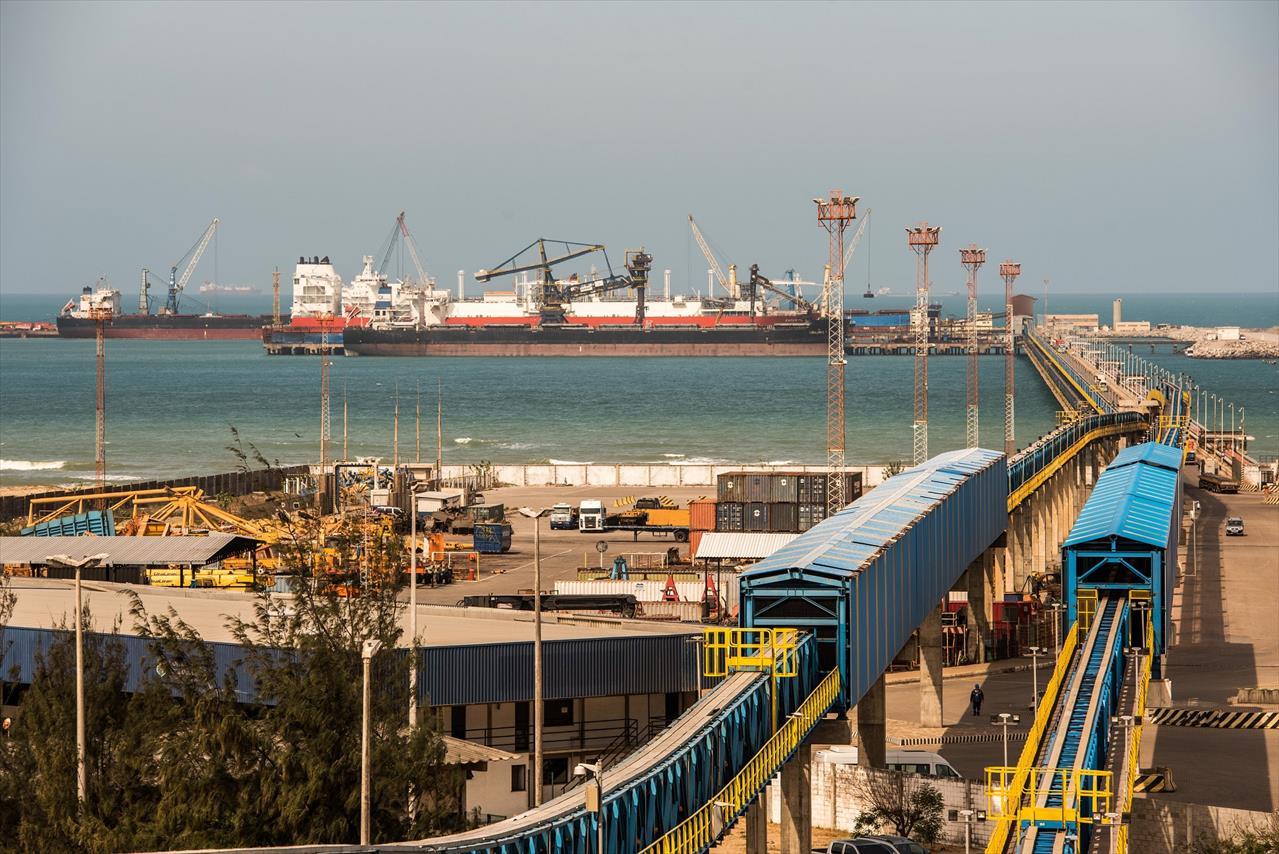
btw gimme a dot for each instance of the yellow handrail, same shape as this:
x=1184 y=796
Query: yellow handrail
x=1067 y=374
x=702 y=828
x=1134 y=738
x=1009 y=805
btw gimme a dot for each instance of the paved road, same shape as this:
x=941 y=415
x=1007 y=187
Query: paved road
x=1226 y=638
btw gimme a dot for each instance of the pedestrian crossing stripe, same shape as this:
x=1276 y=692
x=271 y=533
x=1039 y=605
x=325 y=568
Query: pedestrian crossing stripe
x=1214 y=718
x=962 y=738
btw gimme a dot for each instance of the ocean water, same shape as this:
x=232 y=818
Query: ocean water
x=171 y=406
x=1202 y=309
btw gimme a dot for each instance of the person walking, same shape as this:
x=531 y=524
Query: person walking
x=976 y=697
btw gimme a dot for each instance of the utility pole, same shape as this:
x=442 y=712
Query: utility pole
x=439 y=433
x=345 y=456
x=972 y=258
x=101 y=317
x=835 y=214
x=275 y=297
x=324 y=394
x=922 y=239
x=417 y=427
x=395 y=432
x=1009 y=270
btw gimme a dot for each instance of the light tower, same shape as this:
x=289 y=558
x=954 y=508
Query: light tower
x=922 y=239
x=101 y=316
x=835 y=214
x=1009 y=271
x=972 y=258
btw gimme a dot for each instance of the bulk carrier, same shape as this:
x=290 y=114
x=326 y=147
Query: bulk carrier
x=597 y=314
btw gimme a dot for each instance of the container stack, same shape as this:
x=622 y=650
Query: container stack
x=701 y=518
x=790 y=502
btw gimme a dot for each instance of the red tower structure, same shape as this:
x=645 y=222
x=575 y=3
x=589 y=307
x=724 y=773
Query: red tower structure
x=101 y=316
x=1009 y=271
x=835 y=214
x=922 y=239
x=972 y=258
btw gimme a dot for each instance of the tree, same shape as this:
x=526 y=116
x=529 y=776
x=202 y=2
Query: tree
x=903 y=803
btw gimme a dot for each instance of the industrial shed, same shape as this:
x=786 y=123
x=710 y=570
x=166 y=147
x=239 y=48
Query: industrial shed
x=124 y=558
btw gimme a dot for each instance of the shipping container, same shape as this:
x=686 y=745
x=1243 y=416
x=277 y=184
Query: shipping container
x=755 y=517
x=785 y=489
x=731 y=486
x=653 y=589
x=491 y=537
x=809 y=515
x=668 y=518
x=729 y=516
x=783 y=517
x=694 y=540
x=701 y=515
x=758 y=487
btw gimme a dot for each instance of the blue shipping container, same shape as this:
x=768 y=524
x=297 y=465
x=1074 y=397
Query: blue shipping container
x=491 y=537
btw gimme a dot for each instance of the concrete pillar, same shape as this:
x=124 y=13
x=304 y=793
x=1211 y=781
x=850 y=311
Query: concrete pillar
x=930 y=659
x=980 y=584
x=1038 y=532
x=757 y=825
x=871 y=732
x=797 y=802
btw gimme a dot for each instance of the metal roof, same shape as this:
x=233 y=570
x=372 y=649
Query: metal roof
x=1152 y=453
x=847 y=542
x=458 y=751
x=746 y=545
x=1135 y=502
x=126 y=551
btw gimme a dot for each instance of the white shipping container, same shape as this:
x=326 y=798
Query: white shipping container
x=651 y=591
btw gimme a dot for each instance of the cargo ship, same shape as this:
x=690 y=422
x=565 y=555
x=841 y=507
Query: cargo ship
x=75 y=321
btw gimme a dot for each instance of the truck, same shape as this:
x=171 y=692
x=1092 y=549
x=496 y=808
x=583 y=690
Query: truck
x=563 y=517
x=1218 y=483
x=647 y=516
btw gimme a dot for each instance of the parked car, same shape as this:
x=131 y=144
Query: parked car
x=873 y=845
x=1234 y=527
x=905 y=760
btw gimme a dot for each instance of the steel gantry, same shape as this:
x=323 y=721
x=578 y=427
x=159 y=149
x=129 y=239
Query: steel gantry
x=1009 y=271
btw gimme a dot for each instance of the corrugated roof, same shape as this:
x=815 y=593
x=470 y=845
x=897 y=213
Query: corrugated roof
x=1153 y=453
x=848 y=541
x=126 y=551
x=1132 y=501
x=458 y=751
x=745 y=545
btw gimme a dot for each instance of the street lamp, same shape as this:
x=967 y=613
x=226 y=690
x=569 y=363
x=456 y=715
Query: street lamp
x=967 y=817
x=1005 y=720
x=1059 y=611
x=82 y=774
x=1035 y=652
x=594 y=797
x=538 y=711
x=369 y=650
x=413 y=608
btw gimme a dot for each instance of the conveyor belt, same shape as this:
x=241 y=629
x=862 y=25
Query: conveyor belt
x=635 y=767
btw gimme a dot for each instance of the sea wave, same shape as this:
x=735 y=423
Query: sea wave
x=493 y=443
x=556 y=462
x=31 y=465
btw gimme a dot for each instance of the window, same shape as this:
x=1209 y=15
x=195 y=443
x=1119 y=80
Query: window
x=519 y=778
x=558 y=713
x=555 y=771
x=457 y=721
x=946 y=771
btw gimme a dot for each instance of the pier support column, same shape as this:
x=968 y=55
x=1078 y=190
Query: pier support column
x=930 y=658
x=1018 y=558
x=797 y=802
x=871 y=731
x=757 y=825
x=980 y=585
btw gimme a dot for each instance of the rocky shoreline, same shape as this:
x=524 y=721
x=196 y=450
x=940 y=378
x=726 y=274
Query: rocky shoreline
x=1203 y=343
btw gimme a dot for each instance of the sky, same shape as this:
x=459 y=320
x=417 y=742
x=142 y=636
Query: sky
x=1108 y=147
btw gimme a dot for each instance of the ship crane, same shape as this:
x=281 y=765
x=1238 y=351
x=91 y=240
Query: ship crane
x=551 y=295
x=759 y=280
x=716 y=269
x=176 y=283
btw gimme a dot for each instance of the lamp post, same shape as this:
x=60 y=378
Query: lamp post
x=369 y=650
x=538 y=712
x=594 y=797
x=1059 y=610
x=1035 y=652
x=413 y=492
x=82 y=773
x=1005 y=720
x=968 y=817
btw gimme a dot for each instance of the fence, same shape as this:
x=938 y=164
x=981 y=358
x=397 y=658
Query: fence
x=228 y=483
x=628 y=474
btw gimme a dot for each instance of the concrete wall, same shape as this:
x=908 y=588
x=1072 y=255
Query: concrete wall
x=836 y=803
x=1167 y=827
x=641 y=474
x=489 y=790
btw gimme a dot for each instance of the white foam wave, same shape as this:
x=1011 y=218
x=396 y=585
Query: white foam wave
x=674 y=456
x=31 y=465
x=463 y=440
x=556 y=462
x=701 y=461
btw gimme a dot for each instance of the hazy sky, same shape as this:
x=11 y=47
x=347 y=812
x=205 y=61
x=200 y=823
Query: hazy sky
x=1107 y=146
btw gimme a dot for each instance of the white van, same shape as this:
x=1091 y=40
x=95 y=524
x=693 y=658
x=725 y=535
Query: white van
x=909 y=761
